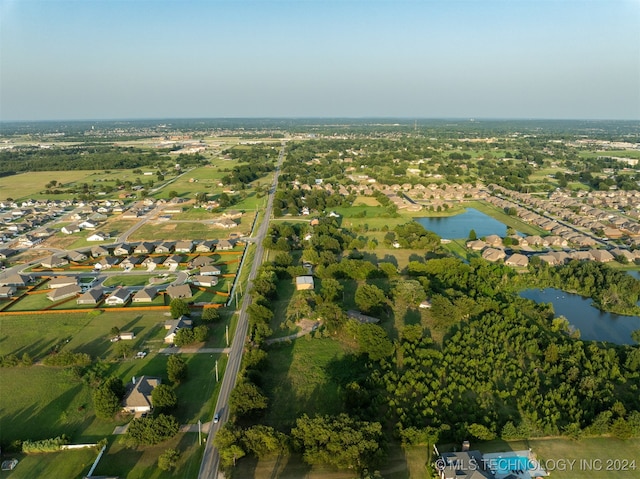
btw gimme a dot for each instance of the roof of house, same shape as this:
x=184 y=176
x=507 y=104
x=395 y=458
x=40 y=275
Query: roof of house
x=301 y=280
x=60 y=281
x=201 y=261
x=64 y=292
x=15 y=280
x=121 y=294
x=179 y=291
x=210 y=269
x=140 y=394
x=146 y=294
x=91 y=296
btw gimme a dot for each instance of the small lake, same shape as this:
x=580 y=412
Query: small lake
x=458 y=226
x=634 y=273
x=593 y=324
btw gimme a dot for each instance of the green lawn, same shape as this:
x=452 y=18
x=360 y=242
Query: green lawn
x=73 y=464
x=142 y=462
x=301 y=377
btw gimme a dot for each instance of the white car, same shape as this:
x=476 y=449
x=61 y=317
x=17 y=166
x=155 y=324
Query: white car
x=216 y=418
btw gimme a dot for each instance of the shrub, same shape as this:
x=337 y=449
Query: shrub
x=45 y=445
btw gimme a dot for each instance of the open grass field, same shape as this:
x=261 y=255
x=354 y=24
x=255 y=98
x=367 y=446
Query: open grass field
x=142 y=462
x=170 y=230
x=73 y=464
x=366 y=201
x=30 y=185
x=401 y=463
x=302 y=376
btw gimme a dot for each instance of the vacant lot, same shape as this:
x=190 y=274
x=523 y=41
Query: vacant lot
x=303 y=377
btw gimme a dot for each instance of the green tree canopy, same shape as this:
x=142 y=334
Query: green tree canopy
x=176 y=369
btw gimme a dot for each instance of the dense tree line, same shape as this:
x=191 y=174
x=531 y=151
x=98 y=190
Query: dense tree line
x=79 y=157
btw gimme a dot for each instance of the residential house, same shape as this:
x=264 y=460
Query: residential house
x=76 y=256
x=61 y=281
x=106 y=262
x=153 y=261
x=184 y=247
x=361 y=318
x=182 y=291
x=131 y=262
x=201 y=261
x=493 y=254
x=145 y=295
x=71 y=228
x=224 y=245
x=145 y=248
x=493 y=241
x=476 y=245
x=210 y=270
x=92 y=296
x=601 y=255
x=165 y=247
x=7 y=291
x=127 y=336
x=118 y=297
x=174 y=326
x=54 y=261
x=172 y=261
x=98 y=237
x=88 y=225
x=7 y=252
x=138 y=396
x=98 y=251
x=17 y=280
x=206 y=246
x=517 y=260
x=123 y=250
x=464 y=465
x=64 y=292
x=304 y=283
x=206 y=281
x=224 y=223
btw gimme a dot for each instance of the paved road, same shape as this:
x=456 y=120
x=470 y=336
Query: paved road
x=211 y=458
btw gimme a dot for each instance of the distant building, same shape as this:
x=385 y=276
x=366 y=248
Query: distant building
x=304 y=283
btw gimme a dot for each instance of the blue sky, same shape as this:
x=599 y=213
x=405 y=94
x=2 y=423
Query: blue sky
x=107 y=59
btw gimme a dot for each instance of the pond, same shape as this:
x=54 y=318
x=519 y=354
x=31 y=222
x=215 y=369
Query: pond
x=593 y=324
x=458 y=226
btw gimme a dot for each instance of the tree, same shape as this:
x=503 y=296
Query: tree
x=147 y=431
x=210 y=315
x=173 y=194
x=106 y=398
x=227 y=441
x=176 y=369
x=340 y=441
x=635 y=335
x=472 y=235
x=264 y=441
x=123 y=349
x=115 y=331
x=247 y=398
x=168 y=460
x=163 y=398
x=331 y=289
x=373 y=340
x=178 y=307
x=370 y=298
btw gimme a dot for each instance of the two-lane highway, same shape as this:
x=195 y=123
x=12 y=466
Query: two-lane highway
x=210 y=458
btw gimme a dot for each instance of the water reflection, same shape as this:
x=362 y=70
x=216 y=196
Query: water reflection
x=593 y=324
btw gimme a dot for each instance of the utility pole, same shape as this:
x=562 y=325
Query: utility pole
x=227 y=336
x=199 y=432
x=216 y=370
